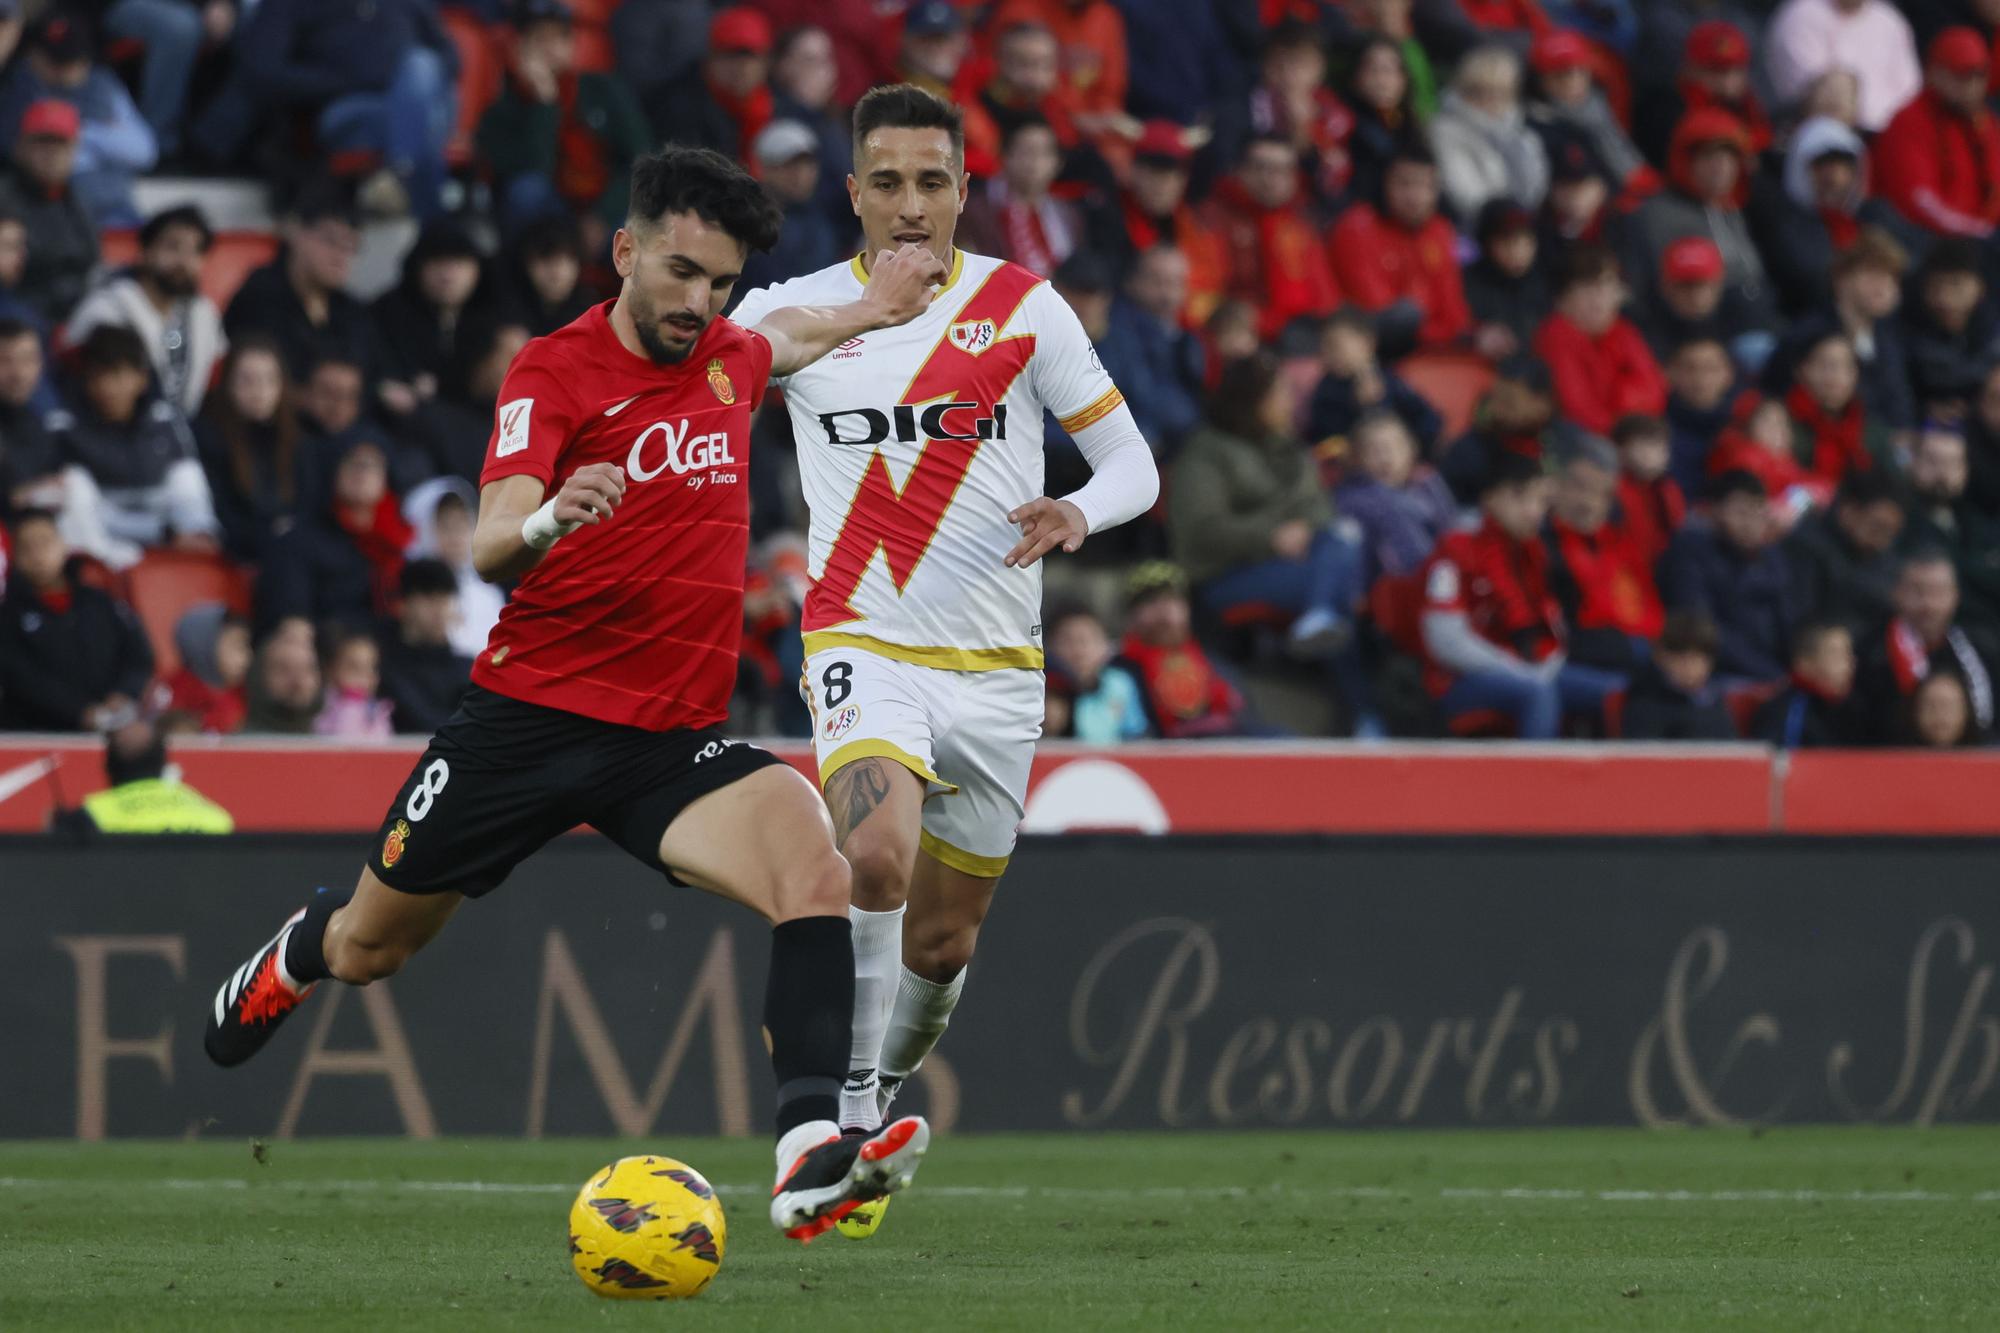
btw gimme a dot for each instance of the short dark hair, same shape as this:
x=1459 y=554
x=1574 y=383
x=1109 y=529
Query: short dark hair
x=1737 y=481
x=1238 y=400
x=1807 y=637
x=1293 y=35
x=550 y=234
x=1587 y=264
x=32 y=514
x=1867 y=486
x=904 y=106
x=10 y=329
x=1030 y=120
x=1953 y=254
x=325 y=359
x=703 y=182
x=1351 y=317
x=114 y=347
x=181 y=215
x=1690 y=632
x=1930 y=553
x=1412 y=153
x=1508 y=470
x=427 y=577
x=1637 y=426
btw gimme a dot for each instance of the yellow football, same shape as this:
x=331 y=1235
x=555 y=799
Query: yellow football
x=646 y=1228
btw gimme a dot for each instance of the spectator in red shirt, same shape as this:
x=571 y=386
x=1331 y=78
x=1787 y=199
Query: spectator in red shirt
x=1276 y=259
x=1715 y=72
x=207 y=692
x=1651 y=505
x=1492 y=629
x=1292 y=102
x=1600 y=364
x=1156 y=211
x=1399 y=260
x=1832 y=432
x=1938 y=160
x=1186 y=696
x=1599 y=575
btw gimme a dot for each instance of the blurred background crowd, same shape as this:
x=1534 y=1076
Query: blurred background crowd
x=1582 y=368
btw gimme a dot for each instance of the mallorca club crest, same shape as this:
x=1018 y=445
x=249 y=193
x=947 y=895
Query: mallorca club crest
x=393 y=845
x=973 y=336
x=718 y=380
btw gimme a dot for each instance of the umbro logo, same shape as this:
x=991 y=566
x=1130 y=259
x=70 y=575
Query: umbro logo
x=850 y=348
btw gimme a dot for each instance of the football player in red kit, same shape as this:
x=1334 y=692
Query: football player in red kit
x=615 y=492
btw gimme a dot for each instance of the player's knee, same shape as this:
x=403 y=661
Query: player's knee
x=822 y=888
x=882 y=864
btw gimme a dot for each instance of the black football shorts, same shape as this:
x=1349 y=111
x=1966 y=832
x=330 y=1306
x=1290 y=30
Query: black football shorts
x=503 y=777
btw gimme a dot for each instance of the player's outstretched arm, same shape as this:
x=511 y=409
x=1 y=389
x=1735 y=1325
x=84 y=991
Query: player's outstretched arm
x=900 y=287
x=517 y=525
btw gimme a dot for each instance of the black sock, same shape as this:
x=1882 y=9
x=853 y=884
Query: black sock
x=809 y=1014
x=305 y=959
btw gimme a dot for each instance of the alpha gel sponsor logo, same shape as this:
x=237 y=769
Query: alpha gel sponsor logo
x=909 y=424
x=667 y=446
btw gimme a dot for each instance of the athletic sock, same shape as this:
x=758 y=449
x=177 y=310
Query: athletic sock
x=809 y=1016
x=922 y=1013
x=878 y=957
x=304 y=959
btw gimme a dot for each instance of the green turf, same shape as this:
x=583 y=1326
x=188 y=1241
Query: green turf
x=1364 y=1230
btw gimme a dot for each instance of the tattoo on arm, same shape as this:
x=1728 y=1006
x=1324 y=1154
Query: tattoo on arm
x=854 y=793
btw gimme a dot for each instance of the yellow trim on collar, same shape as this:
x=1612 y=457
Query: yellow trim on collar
x=957 y=267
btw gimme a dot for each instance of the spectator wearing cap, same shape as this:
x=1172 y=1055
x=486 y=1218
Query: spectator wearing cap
x=1596 y=357
x=300 y=298
x=1600 y=576
x=1844 y=557
x=1728 y=567
x=1480 y=135
x=1569 y=97
x=1675 y=696
x=557 y=139
x=544 y=273
x=1155 y=211
x=160 y=299
x=1291 y=101
x=1806 y=38
x=30 y=463
x=1148 y=342
x=1354 y=382
x=133 y=476
x=787 y=158
x=1714 y=74
x=1187 y=695
x=374 y=75
x=1277 y=261
x=729 y=101
x=1817 y=708
x=1938 y=161
x=71 y=657
x=1494 y=638
x=1816 y=213
x=344 y=561
x=1942 y=517
x=1867 y=288
x=114 y=142
x=39 y=189
x=423 y=674
x=418 y=322
x=803 y=77
x=1708 y=179
x=1691 y=298
x=1951 y=331
x=1578 y=210
x=1399 y=260
x=935 y=43
x=1925 y=636
x=1506 y=288
x=1379 y=93
x=1833 y=434
x=1014 y=215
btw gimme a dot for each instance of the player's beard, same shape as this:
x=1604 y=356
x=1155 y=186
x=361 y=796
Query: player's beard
x=646 y=323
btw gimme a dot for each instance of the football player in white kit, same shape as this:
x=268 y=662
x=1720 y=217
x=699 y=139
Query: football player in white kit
x=920 y=448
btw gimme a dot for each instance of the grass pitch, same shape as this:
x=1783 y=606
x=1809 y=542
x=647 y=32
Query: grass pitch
x=1866 y=1228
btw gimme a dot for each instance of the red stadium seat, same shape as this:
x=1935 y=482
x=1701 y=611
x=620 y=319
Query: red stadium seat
x=1452 y=382
x=163 y=585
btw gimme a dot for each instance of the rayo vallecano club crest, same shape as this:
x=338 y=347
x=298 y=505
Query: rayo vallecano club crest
x=973 y=336
x=718 y=380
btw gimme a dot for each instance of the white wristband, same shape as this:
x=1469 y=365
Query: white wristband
x=540 y=529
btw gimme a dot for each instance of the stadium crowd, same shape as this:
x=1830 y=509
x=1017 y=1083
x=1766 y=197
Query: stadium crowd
x=1572 y=368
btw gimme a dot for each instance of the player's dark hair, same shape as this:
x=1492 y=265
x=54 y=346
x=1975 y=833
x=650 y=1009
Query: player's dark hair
x=904 y=106
x=182 y=215
x=114 y=347
x=703 y=182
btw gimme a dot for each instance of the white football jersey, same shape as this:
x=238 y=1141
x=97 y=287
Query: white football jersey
x=914 y=445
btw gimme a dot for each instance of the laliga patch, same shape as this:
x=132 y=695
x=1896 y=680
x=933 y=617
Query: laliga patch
x=840 y=722
x=514 y=420
x=718 y=381
x=973 y=336
x=393 y=845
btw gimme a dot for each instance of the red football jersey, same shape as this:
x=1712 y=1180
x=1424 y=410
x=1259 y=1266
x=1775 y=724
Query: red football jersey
x=636 y=619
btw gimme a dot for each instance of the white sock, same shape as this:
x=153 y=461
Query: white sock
x=878 y=957
x=923 y=1011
